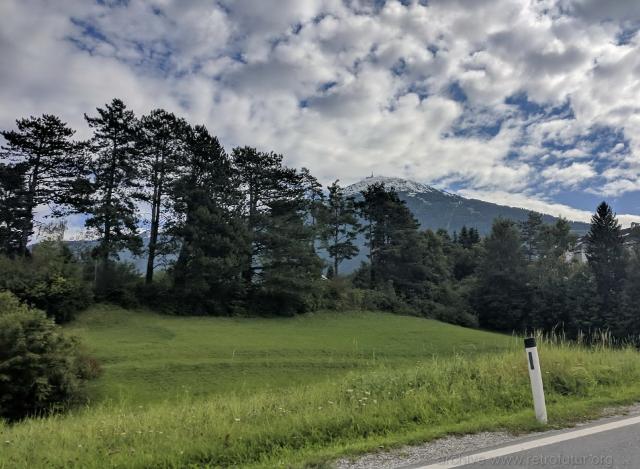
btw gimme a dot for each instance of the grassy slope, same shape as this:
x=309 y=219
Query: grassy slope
x=149 y=357
x=416 y=389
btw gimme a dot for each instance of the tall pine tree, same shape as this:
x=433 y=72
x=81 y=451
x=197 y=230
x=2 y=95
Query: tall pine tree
x=14 y=216
x=263 y=180
x=51 y=161
x=530 y=232
x=606 y=258
x=161 y=147
x=208 y=227
x=112 y=189
x=502 y=295
x=340 y=226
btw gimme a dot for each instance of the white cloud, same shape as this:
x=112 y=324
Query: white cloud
x=568 y=176
x=541 y=205
x=347 y=88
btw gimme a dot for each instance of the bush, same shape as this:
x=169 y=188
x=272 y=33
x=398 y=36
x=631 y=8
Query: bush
x=50 y=280
x=41 y=370
x=118 y=284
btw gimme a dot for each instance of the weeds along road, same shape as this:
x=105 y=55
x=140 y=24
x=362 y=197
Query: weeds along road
x=610 y=444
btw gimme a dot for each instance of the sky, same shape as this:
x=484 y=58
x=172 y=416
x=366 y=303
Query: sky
x=526 y=103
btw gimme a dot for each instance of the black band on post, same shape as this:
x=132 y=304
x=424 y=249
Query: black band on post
x=529 y=342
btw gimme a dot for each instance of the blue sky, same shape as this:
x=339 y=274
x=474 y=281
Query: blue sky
x=528 y=103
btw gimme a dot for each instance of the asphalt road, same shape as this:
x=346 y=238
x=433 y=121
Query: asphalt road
x=611 y=444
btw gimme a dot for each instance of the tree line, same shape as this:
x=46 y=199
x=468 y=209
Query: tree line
x=250 y=235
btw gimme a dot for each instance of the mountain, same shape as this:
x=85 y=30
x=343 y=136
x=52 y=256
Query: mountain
x=436 y=209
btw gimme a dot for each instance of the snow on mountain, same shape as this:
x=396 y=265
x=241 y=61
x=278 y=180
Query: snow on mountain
x=398 y=184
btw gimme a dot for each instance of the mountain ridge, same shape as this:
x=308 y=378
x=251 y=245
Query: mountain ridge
x=435 y=208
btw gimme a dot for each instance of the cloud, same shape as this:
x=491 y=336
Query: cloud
x=538 y=204
x=569 y=176
x=494 y=97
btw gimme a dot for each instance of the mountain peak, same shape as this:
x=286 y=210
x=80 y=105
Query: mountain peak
x=398 y=184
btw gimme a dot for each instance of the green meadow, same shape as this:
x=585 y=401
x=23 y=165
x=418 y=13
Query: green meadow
x=149 y=357
x=300 y=392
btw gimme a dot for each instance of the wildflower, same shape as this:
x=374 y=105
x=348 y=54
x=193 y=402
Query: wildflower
x=349 y=390
x=237 y=419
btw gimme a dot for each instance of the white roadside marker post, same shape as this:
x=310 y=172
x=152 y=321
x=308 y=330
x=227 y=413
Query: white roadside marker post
x=533 y=363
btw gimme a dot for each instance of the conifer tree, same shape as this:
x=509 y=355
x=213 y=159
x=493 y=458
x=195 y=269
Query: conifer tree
x=263 y=180
x=502 y=296
x=606 y=258
x=290 y=267
x=208 y=227
x=112 y=188
x=161 y=147
x=51 y=161
x=14 y=217
x=530 y=232
x=340 y=227
x=388 y=220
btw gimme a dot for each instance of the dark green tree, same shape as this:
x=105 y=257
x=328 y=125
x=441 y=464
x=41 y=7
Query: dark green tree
x=263 y=180
x=387 y=220
x=530 y=232
x=340 y=227
x=112 y=187
x=51 y=161
x=14 y=215
x=502 y=295
x=290 y=268
x=208 y=228
x=161 y=148
x=551 y=279
x=606 y=258
x=631 y=322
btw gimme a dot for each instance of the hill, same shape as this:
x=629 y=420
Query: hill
x=148 y=356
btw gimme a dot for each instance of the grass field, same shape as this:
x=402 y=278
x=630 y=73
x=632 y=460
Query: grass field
x=300 y=392
x=149 y=357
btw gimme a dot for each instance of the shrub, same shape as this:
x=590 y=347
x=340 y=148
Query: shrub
x=118 y=284
x=50 y=280
x=41 y=370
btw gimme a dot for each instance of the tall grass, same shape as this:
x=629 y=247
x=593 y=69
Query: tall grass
x=307 y=424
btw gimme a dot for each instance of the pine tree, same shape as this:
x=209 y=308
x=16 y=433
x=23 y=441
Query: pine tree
x=14 y=217
x=530 y=232
x=388 y=220
x=290 y=267
x=112 y=187
x=161 y=147
x=51 y=161
x=606 y=258
x=263 y=180
x=208 y=228
x=341 y=227
x=502 y=296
